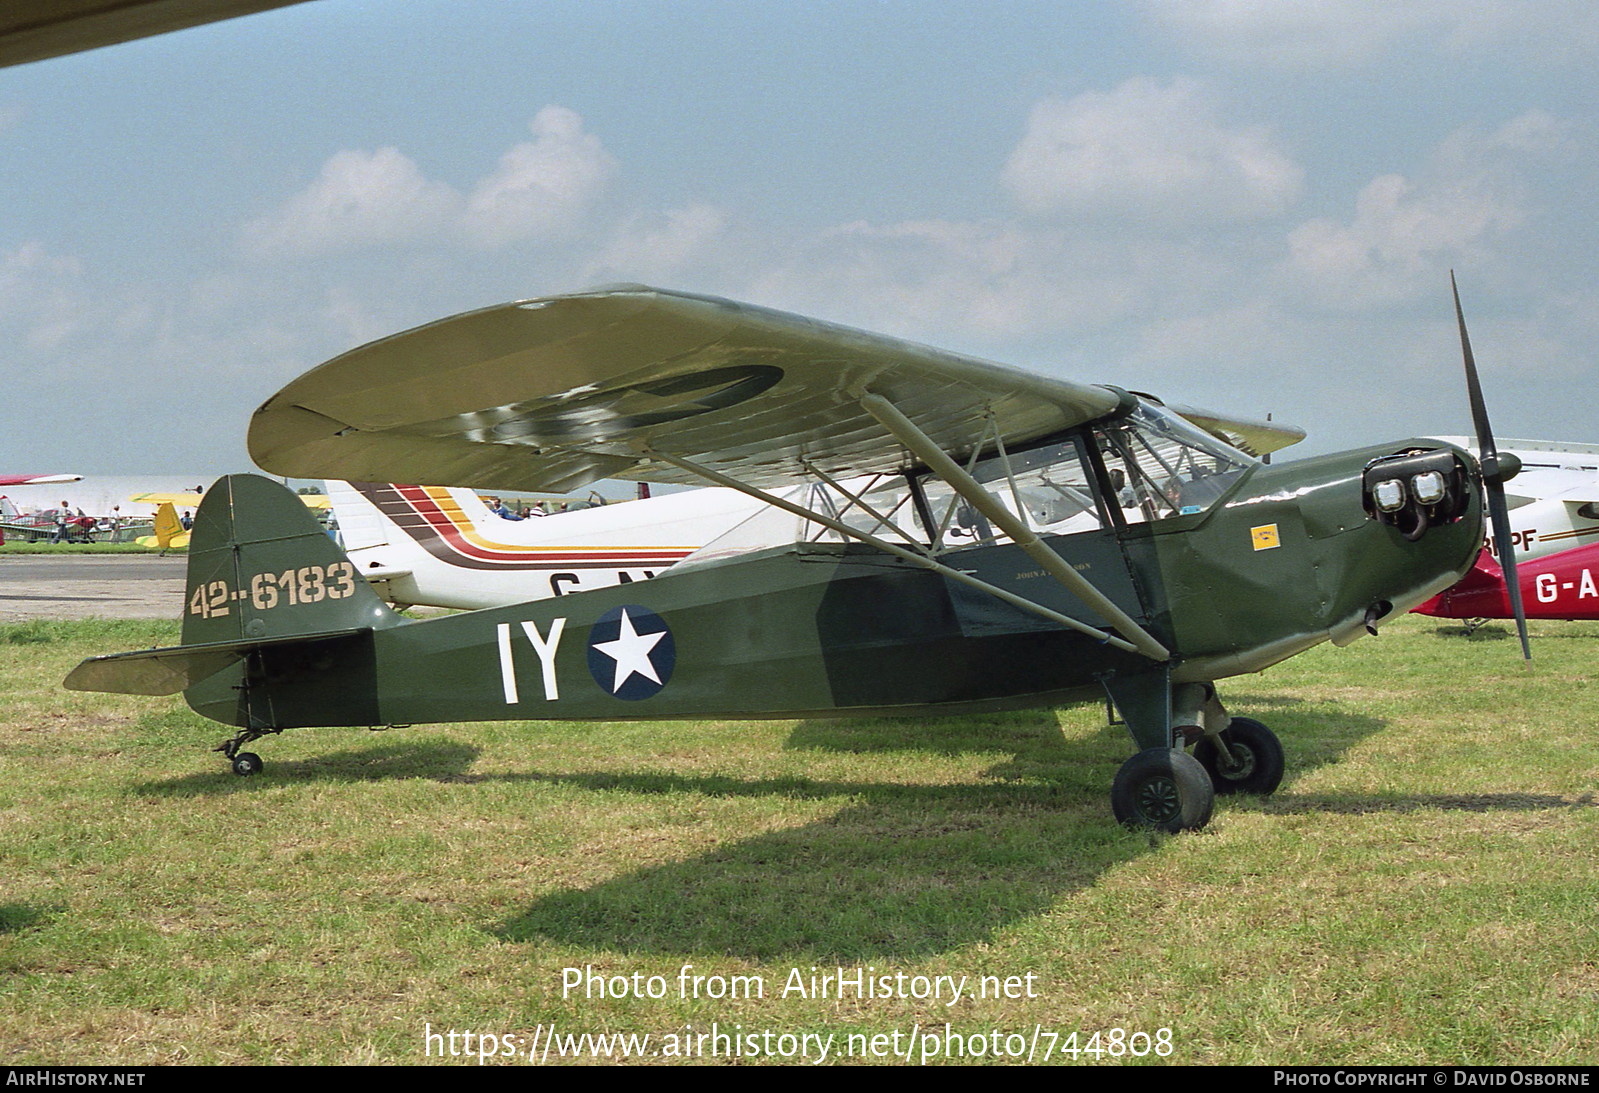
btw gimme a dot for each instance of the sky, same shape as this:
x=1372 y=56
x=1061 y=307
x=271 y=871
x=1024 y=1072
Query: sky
x=1246 y=205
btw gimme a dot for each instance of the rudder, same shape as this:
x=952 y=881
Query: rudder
x=261 y=567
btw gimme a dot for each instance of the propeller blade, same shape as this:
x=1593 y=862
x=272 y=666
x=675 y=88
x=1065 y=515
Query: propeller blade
x=1494 y=474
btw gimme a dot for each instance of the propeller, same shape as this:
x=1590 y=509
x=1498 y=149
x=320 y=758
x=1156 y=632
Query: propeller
x=1496 y=471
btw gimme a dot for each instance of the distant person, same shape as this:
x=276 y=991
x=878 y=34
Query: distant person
x=497 y=507
x=63 y=524
x=186 y=521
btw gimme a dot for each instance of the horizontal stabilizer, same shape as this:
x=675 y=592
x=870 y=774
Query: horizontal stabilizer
x=168 y=671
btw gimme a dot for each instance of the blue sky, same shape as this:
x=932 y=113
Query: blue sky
x=1242 y=204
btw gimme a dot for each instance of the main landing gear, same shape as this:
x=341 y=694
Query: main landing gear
x=1167 y=788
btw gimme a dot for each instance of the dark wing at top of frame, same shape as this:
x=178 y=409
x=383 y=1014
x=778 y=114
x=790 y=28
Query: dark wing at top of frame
x=31 y=30
x=554 y=393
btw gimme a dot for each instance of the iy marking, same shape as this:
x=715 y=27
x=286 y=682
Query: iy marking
x=544 y=646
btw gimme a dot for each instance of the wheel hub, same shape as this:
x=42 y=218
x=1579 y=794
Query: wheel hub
x=1159 y=800
x=1238 y=763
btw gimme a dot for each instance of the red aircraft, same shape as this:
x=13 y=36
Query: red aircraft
x=1563 y=585
x=36 y=479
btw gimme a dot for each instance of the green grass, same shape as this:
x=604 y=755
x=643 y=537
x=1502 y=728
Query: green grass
x=1422 y=888
x=16 y=546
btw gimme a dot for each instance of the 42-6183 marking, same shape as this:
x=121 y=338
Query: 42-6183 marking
x=308 y=584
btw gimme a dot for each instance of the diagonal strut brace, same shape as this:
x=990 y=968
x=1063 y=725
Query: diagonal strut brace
x=936 y=460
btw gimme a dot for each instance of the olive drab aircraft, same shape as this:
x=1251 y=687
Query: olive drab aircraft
x=1010 y=541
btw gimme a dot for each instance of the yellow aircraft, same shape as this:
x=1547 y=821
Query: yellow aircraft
x=169 y=532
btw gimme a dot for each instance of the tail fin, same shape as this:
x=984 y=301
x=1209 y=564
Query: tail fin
x=265 y=582
x=167 y=526
x=260 y=567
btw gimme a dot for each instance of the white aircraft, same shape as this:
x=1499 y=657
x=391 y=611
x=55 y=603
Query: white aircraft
x=443 y=547
x=1554 y=501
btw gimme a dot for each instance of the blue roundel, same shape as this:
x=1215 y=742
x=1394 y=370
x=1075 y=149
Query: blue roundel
x=631 y=652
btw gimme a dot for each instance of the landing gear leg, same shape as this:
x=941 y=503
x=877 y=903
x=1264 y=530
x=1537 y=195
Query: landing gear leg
x=1239 y=753
x=1162 y=786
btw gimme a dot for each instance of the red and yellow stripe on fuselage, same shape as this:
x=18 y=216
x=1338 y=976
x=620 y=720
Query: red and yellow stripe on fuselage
x=430 y=516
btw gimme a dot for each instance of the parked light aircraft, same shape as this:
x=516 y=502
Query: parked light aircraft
x=442 y=547
x=1554 y=504
x=37 y=479
x=1107 y=548
x=1561 y=585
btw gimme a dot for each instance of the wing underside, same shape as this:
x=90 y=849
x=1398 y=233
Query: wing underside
x=32 y=30
x=552 y=394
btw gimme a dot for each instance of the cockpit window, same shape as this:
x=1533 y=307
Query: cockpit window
x=1049 y=488
x=1162 y=466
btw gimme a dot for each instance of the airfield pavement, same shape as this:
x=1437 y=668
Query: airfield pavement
x=34 y=586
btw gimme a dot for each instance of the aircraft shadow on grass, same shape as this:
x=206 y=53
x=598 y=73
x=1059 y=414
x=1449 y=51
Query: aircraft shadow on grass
x=902 y=870
x=448 y=762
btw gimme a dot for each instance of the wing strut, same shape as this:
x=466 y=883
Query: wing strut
x=935 y=459
x=915 y=558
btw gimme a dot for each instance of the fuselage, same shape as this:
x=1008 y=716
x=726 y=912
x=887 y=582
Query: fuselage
x=1276 y=559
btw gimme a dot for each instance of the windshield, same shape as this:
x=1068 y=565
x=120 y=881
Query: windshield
x=1160 y=465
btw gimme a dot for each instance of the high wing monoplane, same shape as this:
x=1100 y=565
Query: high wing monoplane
x=1018 y=541
x=442 y=547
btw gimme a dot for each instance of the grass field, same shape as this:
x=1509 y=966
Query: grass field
x=17 y=546
x=1424 y=888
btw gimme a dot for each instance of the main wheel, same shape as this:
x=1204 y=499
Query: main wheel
x=1256 y=761
x=1162 y=788
x=247 y=763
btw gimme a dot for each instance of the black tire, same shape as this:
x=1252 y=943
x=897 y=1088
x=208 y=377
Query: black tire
x=247 y=763
x=1258 y=760
x=1162 y=788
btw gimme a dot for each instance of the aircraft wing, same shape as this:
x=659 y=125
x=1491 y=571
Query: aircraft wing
x=190 y=499
x=1571 y=486
x=555 y=393
x=37 y=479
x=31 y=30
x=1246 y=434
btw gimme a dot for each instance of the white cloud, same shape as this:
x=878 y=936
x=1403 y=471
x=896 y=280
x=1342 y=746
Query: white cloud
x=653 y=248
x=1156 y=150
x=1405 y=233
x=971 y=282
x=358 y=199
x=540 y=189
x=42 y=299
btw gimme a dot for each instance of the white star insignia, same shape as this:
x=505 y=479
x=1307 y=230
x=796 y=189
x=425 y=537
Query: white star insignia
x=631 y=651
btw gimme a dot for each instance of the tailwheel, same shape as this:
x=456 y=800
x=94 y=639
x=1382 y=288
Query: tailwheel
x=1162 y=788
x=1248 y=759
x=244 y=763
